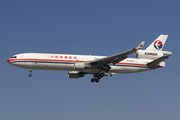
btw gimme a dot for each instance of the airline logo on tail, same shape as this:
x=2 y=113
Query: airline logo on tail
x=158 y=44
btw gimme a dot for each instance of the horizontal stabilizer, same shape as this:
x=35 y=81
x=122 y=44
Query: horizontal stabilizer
x=157 y=61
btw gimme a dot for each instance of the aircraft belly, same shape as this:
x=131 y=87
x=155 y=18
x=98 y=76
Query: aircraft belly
x=118 y=69
x=44 y=66
x=127 y=69
x=70 y=67
x=25 y=65
x=53 y=66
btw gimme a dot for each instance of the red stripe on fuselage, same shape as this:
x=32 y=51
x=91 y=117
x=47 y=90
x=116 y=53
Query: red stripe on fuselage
x=74 y=61
x=46 y=60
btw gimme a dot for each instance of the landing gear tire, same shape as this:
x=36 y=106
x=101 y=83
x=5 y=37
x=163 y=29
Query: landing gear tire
x=30 y=72
x=101 y=75
x=92 y=80
x=30 y=75
x=97 y=80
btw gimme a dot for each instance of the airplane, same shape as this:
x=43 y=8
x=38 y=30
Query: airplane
x=99 y=66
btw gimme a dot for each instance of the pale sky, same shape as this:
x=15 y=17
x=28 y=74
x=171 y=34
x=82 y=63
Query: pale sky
x=97 y=27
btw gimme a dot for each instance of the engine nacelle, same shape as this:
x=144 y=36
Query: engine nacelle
x=75 y=74
x=148 y=54
x=79 y=66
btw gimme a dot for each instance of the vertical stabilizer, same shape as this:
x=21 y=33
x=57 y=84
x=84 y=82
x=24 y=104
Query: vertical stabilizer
x=158 y=44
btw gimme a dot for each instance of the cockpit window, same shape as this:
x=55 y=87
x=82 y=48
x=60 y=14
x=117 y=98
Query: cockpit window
x=14 y=57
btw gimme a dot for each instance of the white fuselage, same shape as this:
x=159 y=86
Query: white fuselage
x=65 y=62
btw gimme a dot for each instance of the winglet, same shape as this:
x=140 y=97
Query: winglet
x=140 y=46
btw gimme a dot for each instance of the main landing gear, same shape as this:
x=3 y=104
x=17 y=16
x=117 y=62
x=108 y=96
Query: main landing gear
x=97 y=77
x=30 y=72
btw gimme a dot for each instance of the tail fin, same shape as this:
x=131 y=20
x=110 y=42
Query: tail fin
x=158 y=44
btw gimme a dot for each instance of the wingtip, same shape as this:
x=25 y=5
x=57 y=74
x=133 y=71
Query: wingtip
x=140 y=46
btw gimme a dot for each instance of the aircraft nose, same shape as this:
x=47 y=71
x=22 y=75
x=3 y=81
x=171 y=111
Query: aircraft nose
x=8 y=60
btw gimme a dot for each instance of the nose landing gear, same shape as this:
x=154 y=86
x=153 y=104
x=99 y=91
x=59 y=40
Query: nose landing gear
x=30 y=72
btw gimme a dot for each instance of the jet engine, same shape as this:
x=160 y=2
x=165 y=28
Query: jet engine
x=75 y=74
x=148 y=54
x=79 y=66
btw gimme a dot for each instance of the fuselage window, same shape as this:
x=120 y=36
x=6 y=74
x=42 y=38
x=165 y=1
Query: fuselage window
x=14 y=57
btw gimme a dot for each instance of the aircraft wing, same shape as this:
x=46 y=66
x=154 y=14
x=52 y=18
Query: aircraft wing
x=115 y=58
x=157 y=61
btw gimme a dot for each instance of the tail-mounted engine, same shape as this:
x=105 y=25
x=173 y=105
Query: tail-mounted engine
x=151 y=54
x=148 y=54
